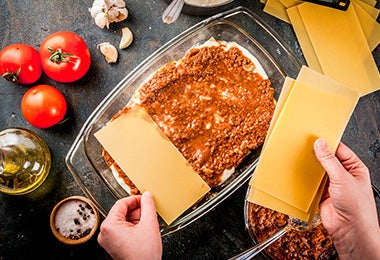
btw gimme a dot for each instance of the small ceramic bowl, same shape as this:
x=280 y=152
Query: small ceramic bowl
x=74 y=220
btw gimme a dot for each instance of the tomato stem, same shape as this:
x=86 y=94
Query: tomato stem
x=58 y=56
x=11 y=76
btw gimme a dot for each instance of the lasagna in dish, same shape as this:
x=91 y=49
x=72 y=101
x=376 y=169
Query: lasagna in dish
x=215 y=105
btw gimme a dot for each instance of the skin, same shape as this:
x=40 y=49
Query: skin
x=349 y=211
x=131 y=230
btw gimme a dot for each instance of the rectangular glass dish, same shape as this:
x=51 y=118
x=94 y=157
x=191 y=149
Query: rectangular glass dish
x=85 y=160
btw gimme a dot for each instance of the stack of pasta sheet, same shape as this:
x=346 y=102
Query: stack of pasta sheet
x=288 y=177
x=336 y=43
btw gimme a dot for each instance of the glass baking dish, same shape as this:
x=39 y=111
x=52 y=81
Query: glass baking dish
x=239 y=25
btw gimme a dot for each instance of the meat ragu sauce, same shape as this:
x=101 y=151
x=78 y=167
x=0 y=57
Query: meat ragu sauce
x=212 y=106
x=313 y=244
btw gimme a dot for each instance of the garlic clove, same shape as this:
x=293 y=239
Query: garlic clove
x=94 y=10
x=126 y=38
x=101 y=20
x=123 y=14
x=112 y=14
x=118 y=3
x=109 y=51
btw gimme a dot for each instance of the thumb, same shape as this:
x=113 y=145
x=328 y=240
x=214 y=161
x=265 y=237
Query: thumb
x=148 y=208
x=328 y=160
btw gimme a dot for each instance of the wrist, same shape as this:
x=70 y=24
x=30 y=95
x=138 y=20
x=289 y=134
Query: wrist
x=358 y=243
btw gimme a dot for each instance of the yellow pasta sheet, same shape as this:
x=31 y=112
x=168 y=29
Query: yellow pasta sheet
x=340 y=50
x=288 y=177
x=152 y=162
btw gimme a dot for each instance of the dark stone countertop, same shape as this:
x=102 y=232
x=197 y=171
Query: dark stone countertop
x=220 y=234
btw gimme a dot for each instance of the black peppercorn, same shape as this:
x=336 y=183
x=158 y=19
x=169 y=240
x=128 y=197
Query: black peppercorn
x=76 y=221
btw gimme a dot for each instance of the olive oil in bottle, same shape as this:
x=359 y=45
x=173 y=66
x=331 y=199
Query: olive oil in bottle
x=24 y=161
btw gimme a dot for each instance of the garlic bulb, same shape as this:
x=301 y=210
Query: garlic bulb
x=108 y=11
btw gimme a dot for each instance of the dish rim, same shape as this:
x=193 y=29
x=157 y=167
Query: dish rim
x=98 y=111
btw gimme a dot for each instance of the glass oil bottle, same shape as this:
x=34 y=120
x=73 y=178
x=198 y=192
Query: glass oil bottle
x=24 y=161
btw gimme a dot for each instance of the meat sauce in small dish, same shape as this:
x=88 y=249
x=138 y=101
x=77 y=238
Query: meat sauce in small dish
x=263 y=223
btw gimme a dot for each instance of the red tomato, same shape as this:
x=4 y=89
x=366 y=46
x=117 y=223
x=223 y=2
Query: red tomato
x=20 y=63
x=65 y=56
x=43 y=106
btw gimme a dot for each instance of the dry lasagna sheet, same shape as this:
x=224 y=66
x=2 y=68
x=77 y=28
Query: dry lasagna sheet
x=215 y=105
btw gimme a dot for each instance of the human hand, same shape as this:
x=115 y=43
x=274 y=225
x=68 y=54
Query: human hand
x=349 y=212
x=131 y=230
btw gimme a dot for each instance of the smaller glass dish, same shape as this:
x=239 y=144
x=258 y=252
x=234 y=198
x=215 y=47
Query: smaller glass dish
x=257 y=221
x=85 y=160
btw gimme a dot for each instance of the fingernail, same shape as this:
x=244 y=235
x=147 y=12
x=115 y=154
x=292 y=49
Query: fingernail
x=148 y=194
x=320 y=143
